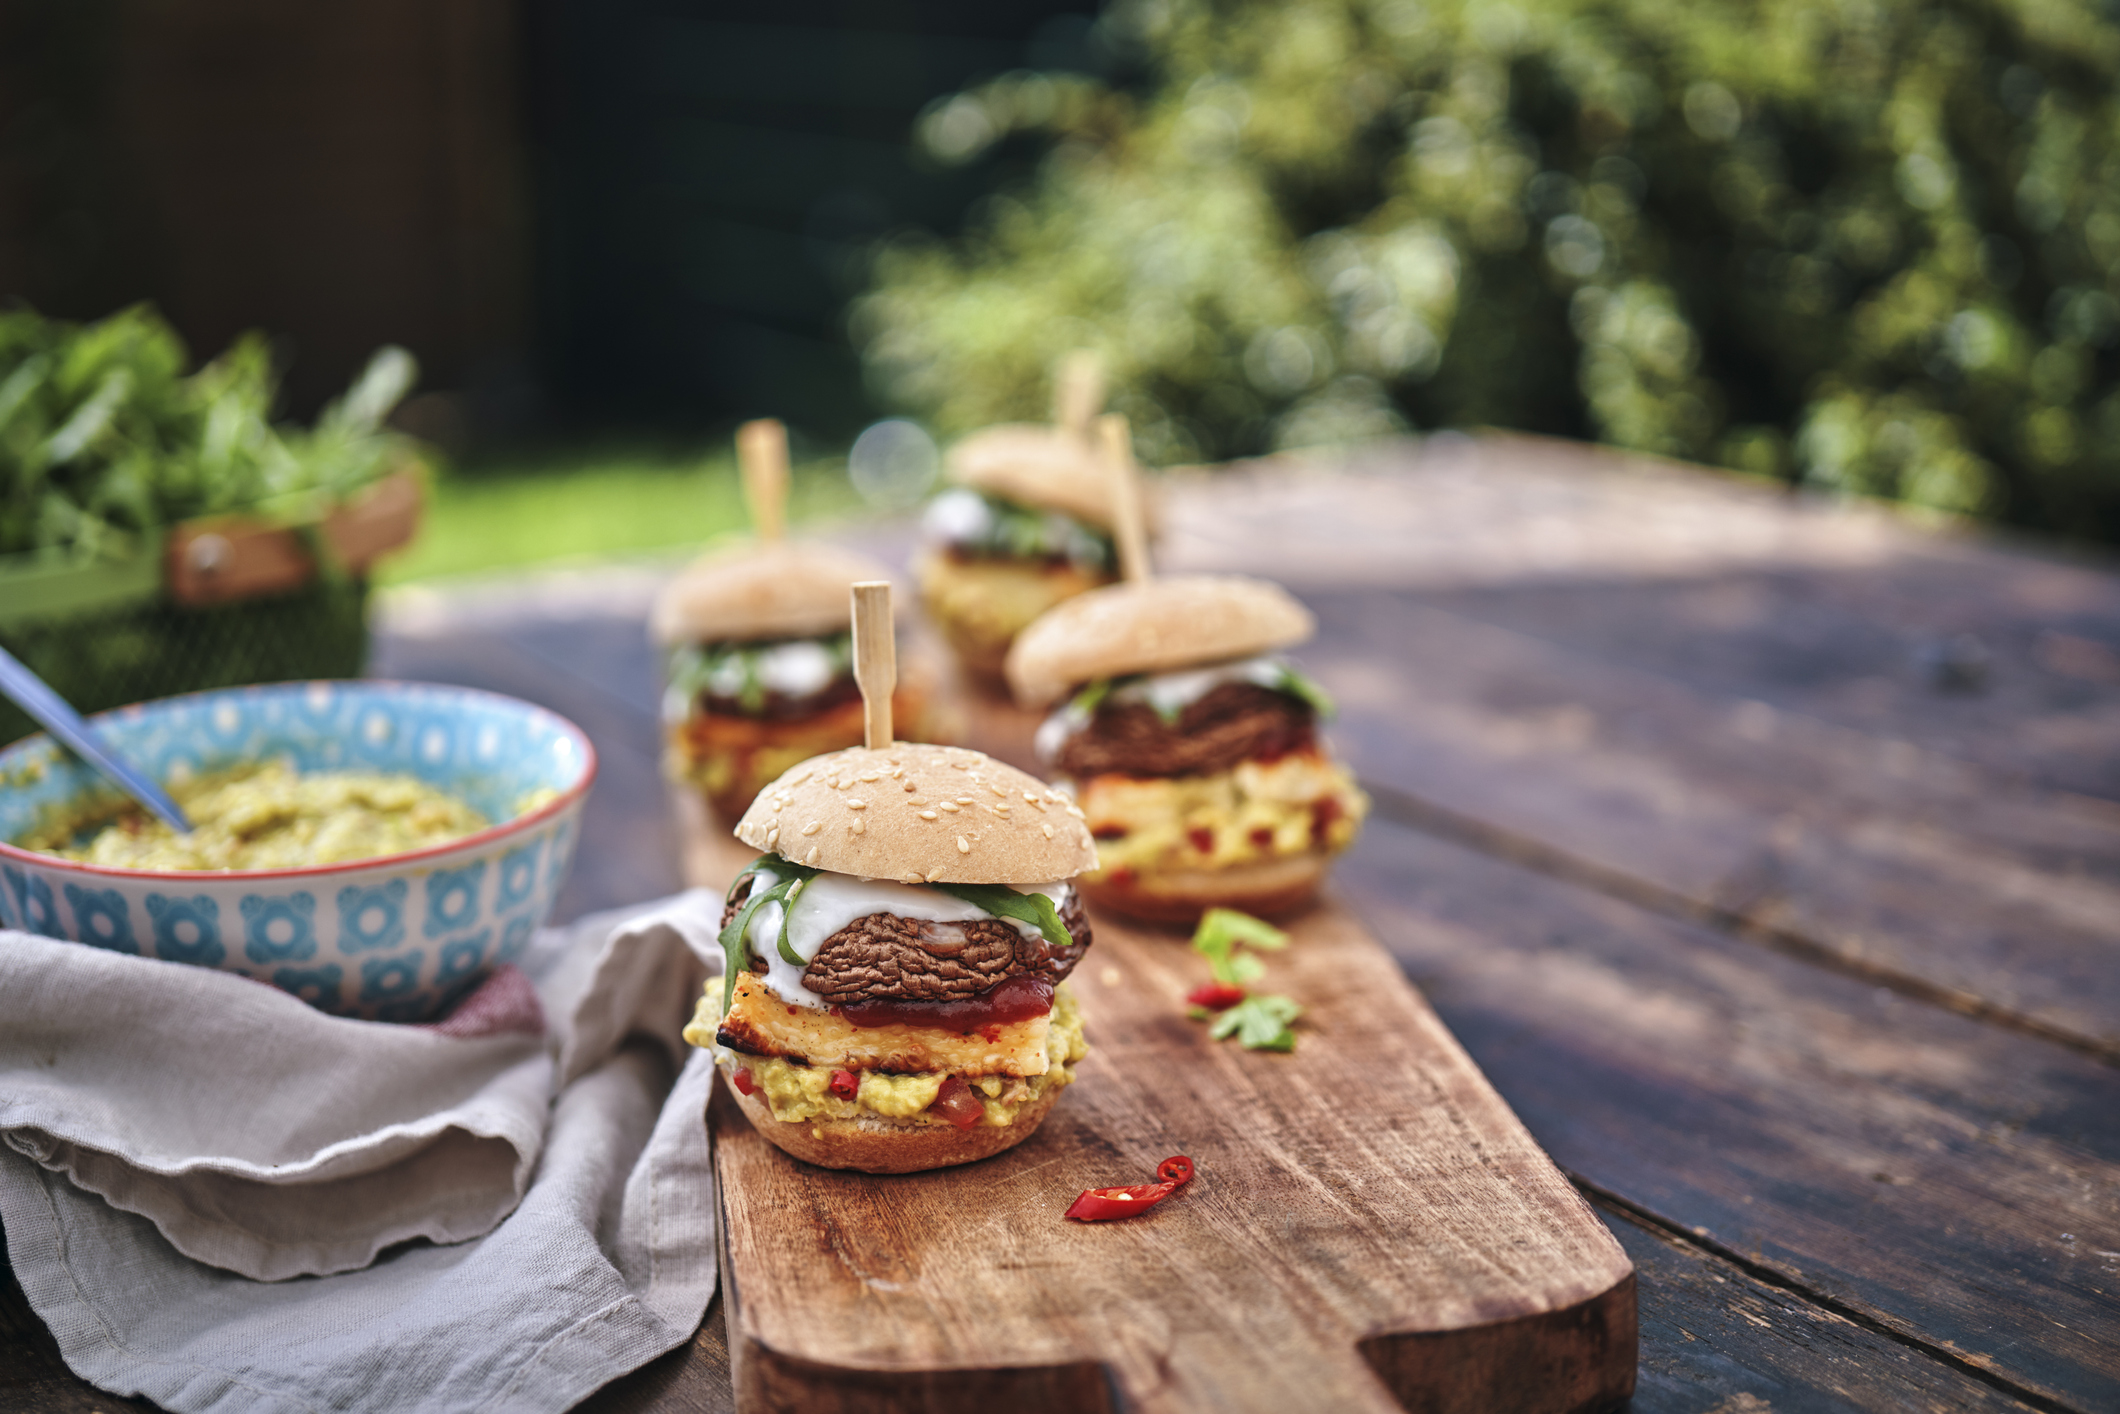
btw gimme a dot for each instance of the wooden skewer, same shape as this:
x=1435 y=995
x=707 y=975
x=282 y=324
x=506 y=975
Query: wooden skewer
x=875 y=659
x=762 y=452
x=1078 y=391
x=1129 y=521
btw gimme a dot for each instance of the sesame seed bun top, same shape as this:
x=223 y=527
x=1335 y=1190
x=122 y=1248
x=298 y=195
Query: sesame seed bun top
x=920 y=814
x=1046 y=468
x=1152 y=626
x=762 y=590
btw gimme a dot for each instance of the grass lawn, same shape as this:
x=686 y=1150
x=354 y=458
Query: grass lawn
x=588 y=503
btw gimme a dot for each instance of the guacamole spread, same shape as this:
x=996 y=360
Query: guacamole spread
x=798 y=1092
x=270 y=817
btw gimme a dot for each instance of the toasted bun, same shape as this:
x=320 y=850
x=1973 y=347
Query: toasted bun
x=981 y=605
x=1267 y=888
x=772 y=589
x=1044 y=467
x=863 y=812
x=1152 y=626
x=876 y=1143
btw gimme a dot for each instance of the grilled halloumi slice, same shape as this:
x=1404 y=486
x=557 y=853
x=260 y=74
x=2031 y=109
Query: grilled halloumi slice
x=761 y=1024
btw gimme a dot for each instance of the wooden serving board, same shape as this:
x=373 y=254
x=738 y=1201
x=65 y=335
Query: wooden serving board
x=1371 y=1228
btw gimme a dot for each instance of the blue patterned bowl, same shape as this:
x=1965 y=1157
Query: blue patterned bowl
x=398 y=938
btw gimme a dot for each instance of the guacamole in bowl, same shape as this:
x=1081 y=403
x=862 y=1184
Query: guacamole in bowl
x=374 y=848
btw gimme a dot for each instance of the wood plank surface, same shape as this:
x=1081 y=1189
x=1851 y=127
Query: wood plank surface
x=1710 y=690
x=1717 y=1338
x=1367 y=1195
x=1954 y=1184
x=1918 y=869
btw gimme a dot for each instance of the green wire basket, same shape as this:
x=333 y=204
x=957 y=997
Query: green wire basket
x=151 y=622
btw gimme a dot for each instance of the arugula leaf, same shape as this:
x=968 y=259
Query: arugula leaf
x=1004 y=902
x=1295 y=684
x=735 y=938
x=1222 y=931
x=1090 y=698
x=788 y=894
x=1259 y=1023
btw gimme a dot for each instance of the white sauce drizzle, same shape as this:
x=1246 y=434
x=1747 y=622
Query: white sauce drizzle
x=957 y=516
x=796 y=669
x=829 y=902
x=1169 y=693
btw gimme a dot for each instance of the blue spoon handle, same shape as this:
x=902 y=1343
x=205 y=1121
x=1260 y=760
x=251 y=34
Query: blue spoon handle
x=33 y=696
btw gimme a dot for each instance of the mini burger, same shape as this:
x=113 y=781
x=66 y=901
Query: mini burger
x=896 y=993
x=1190 y=744
x=1026 y=525
x=759 y=662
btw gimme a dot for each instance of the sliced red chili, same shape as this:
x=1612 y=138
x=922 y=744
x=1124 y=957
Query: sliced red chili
x=1098 y=1205
x=1203 y=839
x=1215 y=996
x=1262 y=835
x=956 y=1103
x=1322 y=815
x=844 y=1083
x=743 y=1082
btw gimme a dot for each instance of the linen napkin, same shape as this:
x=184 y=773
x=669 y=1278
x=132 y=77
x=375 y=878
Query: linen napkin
x=209 y=1190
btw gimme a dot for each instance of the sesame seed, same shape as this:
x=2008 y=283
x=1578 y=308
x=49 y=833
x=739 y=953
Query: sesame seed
x=961 y=765
x=811 y=857
x=772 y=836
x=964 y=846
x=912 y=878
x=948 y=805
x=911 y=786
x=859 y=826
x=1048 y=830
x=999 y=790
x=927 y=814
x=1001 y=810
x=964 y=800
x=857 y=805
x=798 y=780
x=1030 y=798
x=868 y=777
x=778 y=804
x=813 y=827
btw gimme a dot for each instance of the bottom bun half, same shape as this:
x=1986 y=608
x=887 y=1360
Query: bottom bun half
x=1266 y=888
x=874 y=1143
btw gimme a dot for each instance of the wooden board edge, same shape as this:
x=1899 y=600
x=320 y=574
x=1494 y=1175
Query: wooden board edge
x=768 y=1381
x=1581 y=1359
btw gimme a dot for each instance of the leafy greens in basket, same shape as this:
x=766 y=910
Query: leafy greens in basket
x=105 y=431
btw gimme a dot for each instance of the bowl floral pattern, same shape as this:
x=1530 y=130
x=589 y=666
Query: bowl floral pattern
x=398 y=938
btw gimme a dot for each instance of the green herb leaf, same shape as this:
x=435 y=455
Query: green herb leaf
x=735 y=938
x=1090 y=698
x=1262 y=1023
x=787 y=910
x=1220 y=933
x=1295 y=684
x=1004 y=902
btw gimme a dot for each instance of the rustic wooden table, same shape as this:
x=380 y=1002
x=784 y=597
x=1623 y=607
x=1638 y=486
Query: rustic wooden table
x=1764 y=854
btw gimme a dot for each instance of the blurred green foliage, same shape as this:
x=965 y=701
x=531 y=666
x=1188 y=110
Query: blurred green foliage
x=1862 y=244
x=104 y=431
